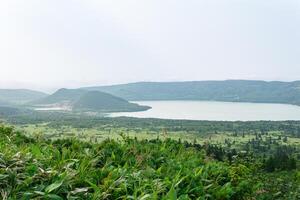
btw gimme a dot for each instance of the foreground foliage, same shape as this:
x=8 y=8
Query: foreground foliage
x=131 y=169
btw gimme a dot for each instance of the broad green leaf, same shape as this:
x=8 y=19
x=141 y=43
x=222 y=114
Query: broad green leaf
x=53 y=186
x=36 y=151
x=54 y=197
x=146 y=196
x=40 y=193
x=172 y=195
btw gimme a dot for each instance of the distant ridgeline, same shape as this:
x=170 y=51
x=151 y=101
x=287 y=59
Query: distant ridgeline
x=115 y=98
x=230 y=90
x=83 y=100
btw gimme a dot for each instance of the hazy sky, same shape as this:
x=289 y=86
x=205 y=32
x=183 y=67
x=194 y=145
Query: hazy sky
x=53 y=43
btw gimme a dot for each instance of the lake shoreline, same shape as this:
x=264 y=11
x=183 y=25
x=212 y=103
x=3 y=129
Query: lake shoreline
x=215 y=111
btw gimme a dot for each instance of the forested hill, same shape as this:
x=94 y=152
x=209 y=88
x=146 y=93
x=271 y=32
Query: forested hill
x=61 y=95
x=19 y=96
x=229 y=90
x=83 y=100
x=100 y=101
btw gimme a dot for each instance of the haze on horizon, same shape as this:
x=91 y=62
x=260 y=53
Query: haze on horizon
x=51 y=43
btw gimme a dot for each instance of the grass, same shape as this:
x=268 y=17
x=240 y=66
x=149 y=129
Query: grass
x=87 y=134
x=123 y=167
x=70 y=169
x=102 y=133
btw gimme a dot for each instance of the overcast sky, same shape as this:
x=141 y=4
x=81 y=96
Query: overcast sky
x=45 y=44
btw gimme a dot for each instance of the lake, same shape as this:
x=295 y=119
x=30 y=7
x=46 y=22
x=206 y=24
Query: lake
x=211 y=110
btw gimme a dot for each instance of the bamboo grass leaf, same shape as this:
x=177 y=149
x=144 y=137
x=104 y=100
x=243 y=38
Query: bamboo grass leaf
x=53 y=186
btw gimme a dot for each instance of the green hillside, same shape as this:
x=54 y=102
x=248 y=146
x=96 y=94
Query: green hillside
x=230 y=90
x=60 y=96
x=83 y=100
x=19 y=96
x=100 y=101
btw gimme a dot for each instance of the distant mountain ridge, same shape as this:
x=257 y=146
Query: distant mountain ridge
x=19 y=96
x=83 y=100
x=229 y=90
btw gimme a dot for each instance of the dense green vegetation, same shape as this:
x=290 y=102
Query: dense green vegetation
x=61 y=95
x=19 y=96
x=100 y=101
x=59 y=119
x=6 y=111
x=69 y=155
x=231 y=90
x=82 y=100
x=34 y=168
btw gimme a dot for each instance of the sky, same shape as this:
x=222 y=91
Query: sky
x=71 y=43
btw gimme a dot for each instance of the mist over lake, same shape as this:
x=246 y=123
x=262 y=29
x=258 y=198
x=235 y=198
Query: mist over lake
x=219 y=111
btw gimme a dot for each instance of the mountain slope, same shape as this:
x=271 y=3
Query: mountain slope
x=61 y=96
x=19 y=96
x=83 y=100
x=101 y=101
x=230 y=90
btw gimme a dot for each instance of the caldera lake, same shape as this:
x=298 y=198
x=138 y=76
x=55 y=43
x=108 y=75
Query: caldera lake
x=215 y=111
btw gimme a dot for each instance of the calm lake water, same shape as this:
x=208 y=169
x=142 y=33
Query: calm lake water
x=210 y=110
